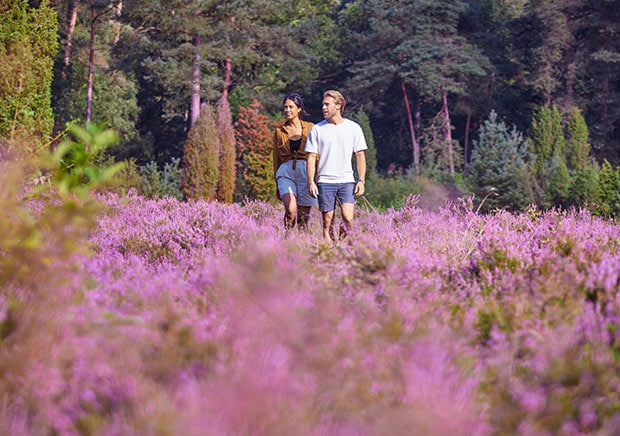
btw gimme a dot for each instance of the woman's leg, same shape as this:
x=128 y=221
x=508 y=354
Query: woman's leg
x=290 y=210
x=303 y=215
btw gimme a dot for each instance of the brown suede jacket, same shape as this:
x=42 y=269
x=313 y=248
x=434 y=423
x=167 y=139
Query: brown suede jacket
x=282 y=148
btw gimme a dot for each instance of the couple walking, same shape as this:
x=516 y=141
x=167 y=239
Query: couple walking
x=312 y=163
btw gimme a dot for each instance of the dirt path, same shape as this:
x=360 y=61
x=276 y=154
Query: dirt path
x=434 y=195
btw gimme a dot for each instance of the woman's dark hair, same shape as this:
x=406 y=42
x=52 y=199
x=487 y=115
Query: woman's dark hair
x=299 y=102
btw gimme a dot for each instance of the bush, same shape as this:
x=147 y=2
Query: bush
x=385 y=192
x=253 y=136
x=28 y=44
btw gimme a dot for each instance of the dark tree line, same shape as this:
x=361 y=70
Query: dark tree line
x=427 y=72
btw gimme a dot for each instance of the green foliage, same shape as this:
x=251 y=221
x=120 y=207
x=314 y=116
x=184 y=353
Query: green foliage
x=548 y=43
x=428 y=56
x=253 y=137
x=127 y=179
x=385 y=192
x=201 y=158
x=501 y=163
x=228 y=155
x=563 y=169
x=28 y=44
x=609 y=190
x=548 y=144
x=260 y=188
x=559 y=182
x=436 y=159
x=77 y=160
x=578 y=142
x=371 y=154
x=159 y=183
x=584 y=188
x=547 y=138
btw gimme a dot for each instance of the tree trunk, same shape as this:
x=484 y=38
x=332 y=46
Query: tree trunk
x=604 y=97
x=227 y=77
x=447 y=133
x=466 y=142
x=70 y=30
x=605 y=86
x=571 y=68
x=414 y=143
x=91 y=62
x=119 y=12
x=491 y=95
x=195 y=98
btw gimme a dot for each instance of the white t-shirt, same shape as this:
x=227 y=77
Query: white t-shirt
x=335 y=145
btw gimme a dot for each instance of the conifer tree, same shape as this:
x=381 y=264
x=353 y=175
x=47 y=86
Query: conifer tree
x=228 y=153
x=548 y=143
x=201 y=158
x=559 y=183
x=584 y=188
x=427 y=58
x=547 y=138
x=28 y=44
x=253 y=136
x=578 y=142
x=609 y=190
x=501 y=163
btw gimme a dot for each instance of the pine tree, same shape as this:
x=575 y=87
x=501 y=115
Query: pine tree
x=201 y=158
x=423 y=56
x=28 y=44
x=253 y=136
x=501 y=163
x=226 y=135
x=578 y=142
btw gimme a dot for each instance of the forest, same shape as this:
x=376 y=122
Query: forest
x=515 y=97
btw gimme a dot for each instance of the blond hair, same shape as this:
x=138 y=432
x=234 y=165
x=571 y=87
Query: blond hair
x=338 y=97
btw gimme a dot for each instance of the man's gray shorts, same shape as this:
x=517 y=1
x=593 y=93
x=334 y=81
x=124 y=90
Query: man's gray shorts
x=329 y=192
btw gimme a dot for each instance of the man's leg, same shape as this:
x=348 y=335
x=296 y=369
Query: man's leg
x=346 y=200
x=328 y=222
x=348 y=210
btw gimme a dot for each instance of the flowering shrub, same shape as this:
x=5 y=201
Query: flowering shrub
x=206 y=318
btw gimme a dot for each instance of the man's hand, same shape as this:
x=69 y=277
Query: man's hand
x=359 y=188
x=314 y=190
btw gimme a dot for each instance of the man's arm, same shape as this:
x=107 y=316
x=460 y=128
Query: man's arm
x=360 y=158
x=311 y=172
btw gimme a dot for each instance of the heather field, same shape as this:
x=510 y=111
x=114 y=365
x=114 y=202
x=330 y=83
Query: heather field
x=127 y=316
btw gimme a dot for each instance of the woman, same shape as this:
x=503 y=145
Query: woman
x=289 y=159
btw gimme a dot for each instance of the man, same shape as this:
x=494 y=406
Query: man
x=331 y=144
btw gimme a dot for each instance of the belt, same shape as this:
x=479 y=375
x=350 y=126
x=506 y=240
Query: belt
x=295 y=160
